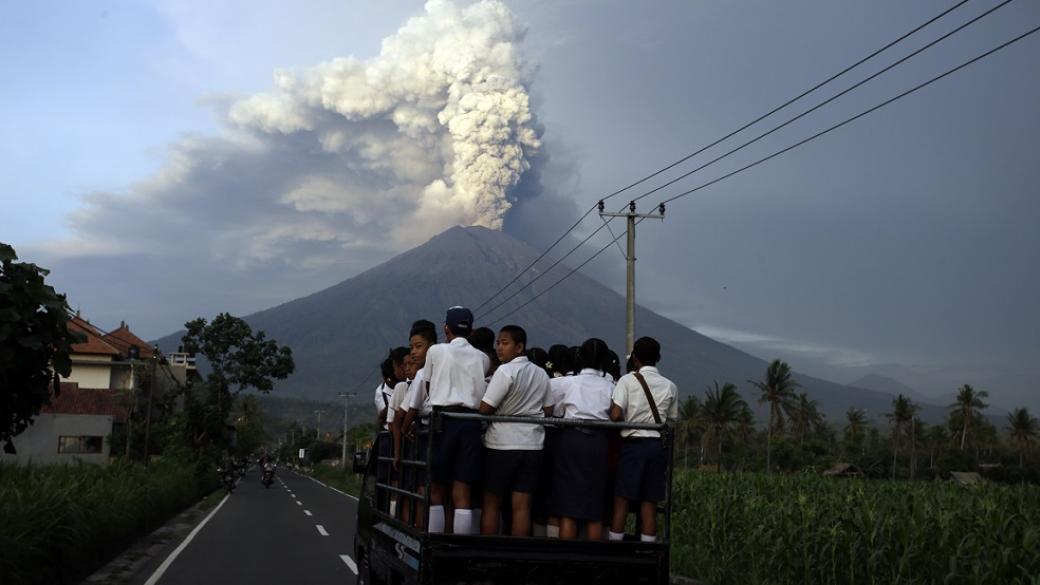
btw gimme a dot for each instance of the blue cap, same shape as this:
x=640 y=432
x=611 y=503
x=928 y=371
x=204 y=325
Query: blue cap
x=459 y=319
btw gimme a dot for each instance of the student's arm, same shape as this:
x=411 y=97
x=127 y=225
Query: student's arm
x=548 y=400
x=409 y=419
x=497 y=389
x=673 y=410
x=620 y=402
x=548 y=410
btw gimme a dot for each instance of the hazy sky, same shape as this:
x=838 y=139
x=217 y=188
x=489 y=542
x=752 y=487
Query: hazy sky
x=156 y=162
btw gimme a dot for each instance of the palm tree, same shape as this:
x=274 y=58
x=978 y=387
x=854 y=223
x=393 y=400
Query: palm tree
x=855 y=425
x=902 y=412
x=745 y=429
x=689 y=425
x=778 y=390
x=805 y=416
x=937 y=439
x=969 y=403
x=917 y=428
x=722 y=410
x=1023 y=429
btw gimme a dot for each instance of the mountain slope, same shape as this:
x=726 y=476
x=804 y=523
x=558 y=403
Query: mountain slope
x=339 y=334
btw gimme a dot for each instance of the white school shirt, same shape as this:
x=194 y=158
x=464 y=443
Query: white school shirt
x=456 y=372
x=630 y=397
x=585 y=396
x=417 y=397
x=382 y=397
x=518 y=388
x=557 y=386
x=396 y=401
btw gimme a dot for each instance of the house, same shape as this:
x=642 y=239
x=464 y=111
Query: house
x=76 y=426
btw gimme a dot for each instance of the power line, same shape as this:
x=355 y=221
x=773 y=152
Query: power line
x=857 y=116
x=716 y=142
x=828 y=100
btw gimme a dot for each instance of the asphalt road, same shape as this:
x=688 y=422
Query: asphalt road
x=297 y=531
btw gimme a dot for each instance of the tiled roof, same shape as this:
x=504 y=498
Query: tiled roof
x=123 y=339
x=94 y=343
x=75 y=400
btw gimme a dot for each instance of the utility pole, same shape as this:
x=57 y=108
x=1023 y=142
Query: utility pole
x=630 y=258
x=317 y=432
x=346 y=396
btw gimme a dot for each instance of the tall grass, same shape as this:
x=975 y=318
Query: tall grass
x=758 y=529
x=59 y=522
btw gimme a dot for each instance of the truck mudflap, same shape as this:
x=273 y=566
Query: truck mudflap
x=538 y=561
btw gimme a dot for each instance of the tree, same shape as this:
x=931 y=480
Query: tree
x=689 y=425
x=967 y=406
x=1023 y=429
x=722 y=410
x=745 y=429
x=855 y=428
x=805 y=416
x=902 y=412
x=778 y=390
x=35 y=343
x=238 y=359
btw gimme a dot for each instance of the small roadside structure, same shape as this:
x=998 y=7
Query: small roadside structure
x=966 y=478
x=843 y=470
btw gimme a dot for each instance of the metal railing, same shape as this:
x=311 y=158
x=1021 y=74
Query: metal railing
x=407 y=488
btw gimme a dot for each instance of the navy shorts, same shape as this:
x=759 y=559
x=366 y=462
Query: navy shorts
x=458 y=453
x=641 y=470
x=579 y=482
x=511 y=471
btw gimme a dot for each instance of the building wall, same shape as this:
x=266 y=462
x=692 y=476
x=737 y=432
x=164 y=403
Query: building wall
x=90 y=375
x=39 y=443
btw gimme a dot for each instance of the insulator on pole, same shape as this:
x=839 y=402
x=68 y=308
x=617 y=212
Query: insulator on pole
x=632 y=206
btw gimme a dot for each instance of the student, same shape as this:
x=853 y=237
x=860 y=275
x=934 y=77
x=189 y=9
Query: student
x=384 y=443
x=394 y=419
x=514 y=450
x=456 y=374
x=580 y=486
x=560 y=365
x=539 y=357
x=642 y=396
x=483 y=339
x=421 y=337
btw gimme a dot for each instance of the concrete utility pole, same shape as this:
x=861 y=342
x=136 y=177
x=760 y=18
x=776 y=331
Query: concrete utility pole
x=346 y=396
x=630 y=257
x=317 y=432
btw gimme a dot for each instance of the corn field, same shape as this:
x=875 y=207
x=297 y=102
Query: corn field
x=757 y=529
x=57 y=522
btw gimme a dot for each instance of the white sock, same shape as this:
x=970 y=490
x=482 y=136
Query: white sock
x=393 y=508
x=647 y=538
x=552 y=531
x=463 y=521
x=538 y=529
x=436 y=523
x=616 y=535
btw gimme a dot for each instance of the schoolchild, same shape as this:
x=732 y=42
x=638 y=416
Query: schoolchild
x=483 y=339
x=383 y=446
x=421 y=337
x=514 y=450
x=456 y=372
x=580 y=486
x=539 y=357
x=560 y=365
x=642 y=396
x=395 y=418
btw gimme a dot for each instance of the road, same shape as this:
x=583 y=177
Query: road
x=297 y=531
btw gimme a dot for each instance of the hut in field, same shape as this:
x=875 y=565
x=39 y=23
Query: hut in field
x=967 y=478
x=843 y=470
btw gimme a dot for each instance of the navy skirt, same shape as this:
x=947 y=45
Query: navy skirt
x=579 y=482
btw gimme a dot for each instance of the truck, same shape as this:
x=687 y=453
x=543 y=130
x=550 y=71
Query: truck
x=392 y=551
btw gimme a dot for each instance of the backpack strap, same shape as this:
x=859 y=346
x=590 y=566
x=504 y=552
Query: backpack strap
x=649 y=396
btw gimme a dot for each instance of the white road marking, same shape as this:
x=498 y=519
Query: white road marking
x=308 y=512
x=299 y=503
x=350 y=563
x=330 y=487
x=180 y=548
x=321 y=530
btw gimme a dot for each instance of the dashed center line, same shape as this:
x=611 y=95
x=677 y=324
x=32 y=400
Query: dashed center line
x=299 y=503
x=321 y=530
x=350 y=563
x=308 y=512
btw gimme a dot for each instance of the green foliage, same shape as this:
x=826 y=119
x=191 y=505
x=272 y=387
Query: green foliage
x=34 y=343
x=60 y=521
x=804 y=529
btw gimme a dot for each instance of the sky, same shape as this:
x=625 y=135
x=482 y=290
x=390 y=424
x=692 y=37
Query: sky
x=174 y=159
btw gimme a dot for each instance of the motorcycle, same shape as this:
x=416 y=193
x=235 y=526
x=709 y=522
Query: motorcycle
x=227 y=478
x=267 y=475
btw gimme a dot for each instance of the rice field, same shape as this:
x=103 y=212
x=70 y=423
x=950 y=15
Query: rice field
x=757 y=529
x=59 y=522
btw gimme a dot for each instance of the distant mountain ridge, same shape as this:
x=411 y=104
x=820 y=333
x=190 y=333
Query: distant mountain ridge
x=339 y=334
